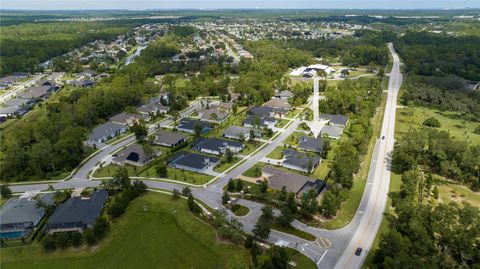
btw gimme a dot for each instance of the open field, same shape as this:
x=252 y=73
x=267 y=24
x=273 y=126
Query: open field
x=449 y=121
x=155 y=232
x=150 y=171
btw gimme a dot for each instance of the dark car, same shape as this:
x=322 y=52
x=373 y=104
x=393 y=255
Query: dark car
x=358 y=251
x=383 y=137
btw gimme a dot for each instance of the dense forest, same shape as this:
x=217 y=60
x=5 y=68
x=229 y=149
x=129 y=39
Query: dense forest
x=364 y=48
x=440 y=55
x=422 y=236
x=53 y=142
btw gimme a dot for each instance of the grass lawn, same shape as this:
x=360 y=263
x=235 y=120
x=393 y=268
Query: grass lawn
x=301 y=260
x=449 y=121
x=454 y=192
x=293 y=231
x=155 y=232
x=224 y=166
x=281 y=123
x=251 y=171
x=240 y=210
x=250 y=147
x=276 y=153
x=149 y=171
x=117 y=138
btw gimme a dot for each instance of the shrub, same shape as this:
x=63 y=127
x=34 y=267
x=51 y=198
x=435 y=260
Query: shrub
x=432 y=122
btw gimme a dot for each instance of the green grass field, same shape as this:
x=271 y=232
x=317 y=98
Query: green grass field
x=276 y=153
x=155 y=232
x=150 y=171
x=449 y=121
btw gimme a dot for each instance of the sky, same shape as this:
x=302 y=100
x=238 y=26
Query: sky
x=234 y=4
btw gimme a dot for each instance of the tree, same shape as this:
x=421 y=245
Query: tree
x=263 y=186
x=231 y=185
x=5 y=191
x=161 y=169
x=139 y=186
x=225 y=198
x=286 y=216
x=121 y=178
x=238 y=185
x=249 y=241
x=431 y=122
x=197 y=129
x=90 y=237
x=139 y=128
x=192 y=205
x=264 y=222
x=175 y=194
x=381 y=73
x=186 y=191
x=228 y=155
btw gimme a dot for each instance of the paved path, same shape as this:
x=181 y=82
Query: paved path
x=332 y=248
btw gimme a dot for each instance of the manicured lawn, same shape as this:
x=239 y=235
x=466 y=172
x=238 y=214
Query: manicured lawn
x=240 y=210
x=155 y=232
x=224 y=166
x=449 y=121
x=276 y=153
x=250 y=147
x=150 y=171
x=293 y=231
x=281 y=123
x=251 y=172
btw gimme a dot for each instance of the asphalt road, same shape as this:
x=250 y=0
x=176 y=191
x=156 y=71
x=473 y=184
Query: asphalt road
x=333 y=248
x=16 y=89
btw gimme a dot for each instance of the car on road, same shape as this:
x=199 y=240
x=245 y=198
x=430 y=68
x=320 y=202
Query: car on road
x=358 y=251
x=383 y=137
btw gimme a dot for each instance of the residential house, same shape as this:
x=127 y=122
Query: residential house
x=332 y=131
x=277 y=103
x=255 y=121
x=217 y=146
x=20 y=216
x=36 y=92
x=77 y=213
x=300 y=161
x=241 y=133
x=169 y=139
x=128 y=119
x=107 y=131
x=19 y=102
x=83 y=83
x=261 y=111
x=134 y=154
x=311 y=144
x=283 y=95
x=298 y=184
x=337 y=120
x=153 y=109
x=13 y=111
x=213 y=115
x=188 y=126
x=193 y=162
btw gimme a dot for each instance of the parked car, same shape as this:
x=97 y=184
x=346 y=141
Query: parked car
x=358 y=251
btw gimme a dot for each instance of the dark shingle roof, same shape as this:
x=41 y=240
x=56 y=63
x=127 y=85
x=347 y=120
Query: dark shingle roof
x=300 y=159
x=193 y=160
x=335 y=119
x=262 y=111
x=169 y=137
x=79 y=209
x=311 y=144
x=189 y=124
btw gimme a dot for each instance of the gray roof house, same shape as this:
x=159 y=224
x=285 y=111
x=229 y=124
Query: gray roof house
x=193 y=162
x=36 y=92
x=134 y=154
x=298 y=184
x=277 y=103
x=106 y=131
x=261 y=111
x=213 y=115
x=338 y=120
x=18 y=102
x=240 y=133
x=188 y=126
x=217 y=146
x=251 y=121
x=77 y=213
x=284 y=95
x=128 y=119
x=20 y=216
x=310 y=144
x=152 y=109
x=300 y=161
x=11 y=111
x=332 y=131
x=169 y=139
